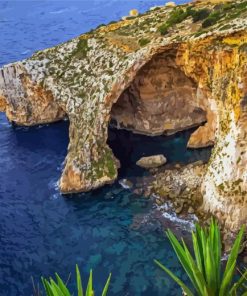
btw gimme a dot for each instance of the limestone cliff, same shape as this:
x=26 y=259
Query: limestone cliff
x=166 y=70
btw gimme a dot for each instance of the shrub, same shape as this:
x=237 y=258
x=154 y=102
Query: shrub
x=100 y=26
x=177 y=16
x=143 y=41
x=58 y=287
x=210 y=21
x=204 y=271
x=199 y=15
x=227 y=6
x=163 y=29
x=81 y=49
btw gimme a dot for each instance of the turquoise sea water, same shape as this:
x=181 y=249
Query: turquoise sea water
x=110 y=229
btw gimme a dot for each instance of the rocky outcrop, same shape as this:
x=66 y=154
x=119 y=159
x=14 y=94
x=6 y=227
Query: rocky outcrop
x=25 y=101
x=153 y=161
x=3 y=104
x=155 y=73
x=178 y=185
x=204 y=136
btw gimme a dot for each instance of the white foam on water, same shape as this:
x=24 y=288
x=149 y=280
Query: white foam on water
x=174 y=218
x=26 y=51
x=125 y=183
x=169 y=213
x=59 y=11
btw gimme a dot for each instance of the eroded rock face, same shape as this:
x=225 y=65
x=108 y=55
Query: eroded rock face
x=25 y=101
x=84 y=78
x=224 y=187
x=161 y=99
x=3 y=104
x=204 y=136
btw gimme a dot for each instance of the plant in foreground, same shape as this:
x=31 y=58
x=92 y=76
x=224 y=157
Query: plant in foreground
x=58 y=287
x=204 y=271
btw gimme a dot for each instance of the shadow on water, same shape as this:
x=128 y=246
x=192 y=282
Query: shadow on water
x=129 y=147
x=109 y=230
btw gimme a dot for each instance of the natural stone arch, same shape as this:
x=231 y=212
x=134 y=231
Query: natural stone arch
x=87 y=169
x=84 y=77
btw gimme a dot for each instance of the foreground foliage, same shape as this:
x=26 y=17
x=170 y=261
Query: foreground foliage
x=204 y=271
x=59 y=287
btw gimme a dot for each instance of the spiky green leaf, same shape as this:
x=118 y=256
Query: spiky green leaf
x=78 y=280
x=105 y=290
x=62 y=286
x=89 y=291
x=175 y=278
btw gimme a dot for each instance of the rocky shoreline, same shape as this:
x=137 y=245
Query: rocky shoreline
x=176 y=184
x=175 y=189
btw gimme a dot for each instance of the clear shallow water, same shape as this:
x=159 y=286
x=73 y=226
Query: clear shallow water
x=109 y=230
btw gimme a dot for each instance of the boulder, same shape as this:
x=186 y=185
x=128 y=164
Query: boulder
x=150 y=162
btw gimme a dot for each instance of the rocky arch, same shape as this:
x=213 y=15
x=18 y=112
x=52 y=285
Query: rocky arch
x=152 y=95
x=214 y=68
x=219 y=91
x=130 y=104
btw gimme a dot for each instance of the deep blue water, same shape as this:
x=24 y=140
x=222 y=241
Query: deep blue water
x=109 y=230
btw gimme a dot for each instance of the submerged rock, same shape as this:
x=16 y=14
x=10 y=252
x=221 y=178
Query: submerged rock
x=150 y=75
x=150 y=162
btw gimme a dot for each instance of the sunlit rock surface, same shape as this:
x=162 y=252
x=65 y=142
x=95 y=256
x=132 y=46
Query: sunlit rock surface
x=130 y=74
x=153 y=161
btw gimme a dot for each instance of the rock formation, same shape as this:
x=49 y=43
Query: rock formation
x=160 y=72
x=153 y=161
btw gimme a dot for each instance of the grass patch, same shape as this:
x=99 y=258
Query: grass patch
x=143 y=41
x=199 y=15
x=81 y=49
x=227 y=11
x=243 y=47
x=163 y=29
x=199 y=33
x=212 y=19
x=177 y=16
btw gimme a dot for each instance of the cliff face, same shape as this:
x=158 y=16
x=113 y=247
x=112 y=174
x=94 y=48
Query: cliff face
x=25 y=101
x=224 y=187
x=156 y=73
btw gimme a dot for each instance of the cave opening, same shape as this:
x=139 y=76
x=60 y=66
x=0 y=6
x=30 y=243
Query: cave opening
x=156 y=114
